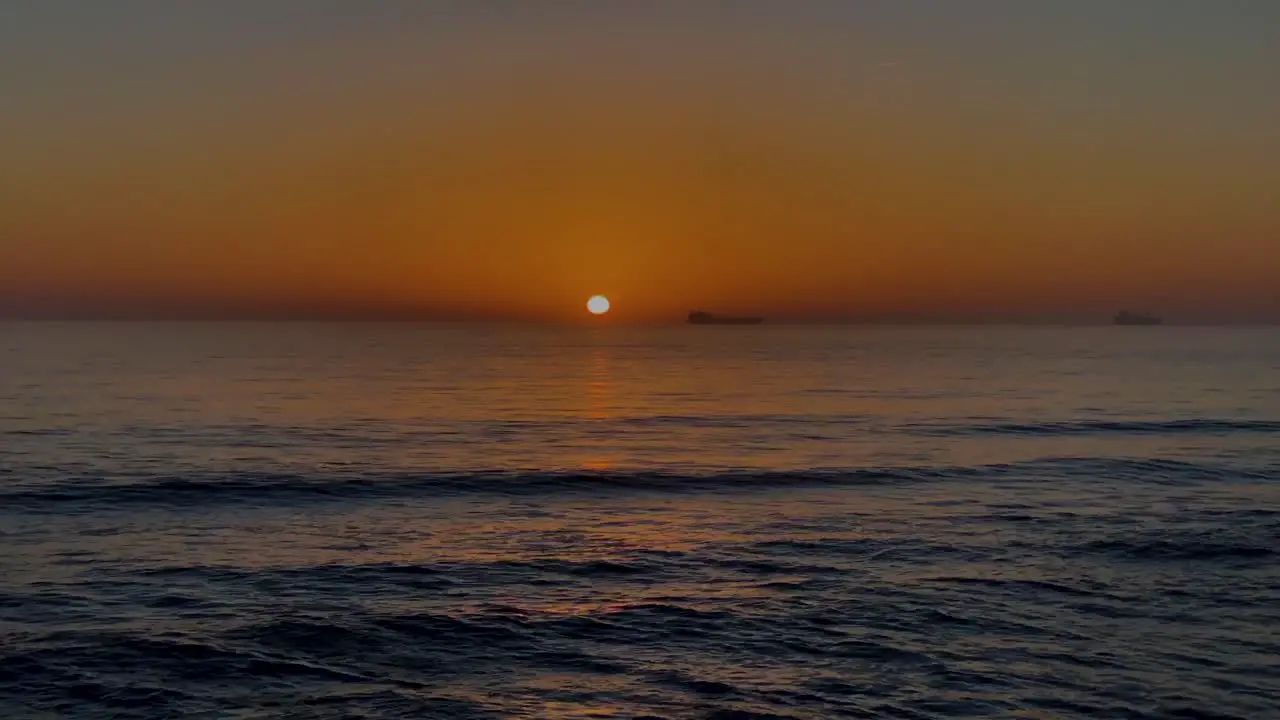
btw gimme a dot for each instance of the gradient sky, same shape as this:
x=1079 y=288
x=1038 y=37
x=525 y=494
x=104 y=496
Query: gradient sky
x=1024 y=159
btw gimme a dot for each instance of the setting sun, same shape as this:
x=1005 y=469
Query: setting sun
x=598 y=305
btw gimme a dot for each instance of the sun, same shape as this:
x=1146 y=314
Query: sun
x=598 y=305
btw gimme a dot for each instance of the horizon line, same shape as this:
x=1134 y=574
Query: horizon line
x=610 y=322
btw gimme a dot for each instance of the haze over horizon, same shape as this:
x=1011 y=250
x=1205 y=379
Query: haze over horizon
x=987 y=160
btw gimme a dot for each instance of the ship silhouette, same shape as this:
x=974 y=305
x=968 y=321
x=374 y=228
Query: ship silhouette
x=699 y=317
x=1124 y=317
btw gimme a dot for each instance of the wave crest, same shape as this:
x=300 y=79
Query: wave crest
x=268 y=488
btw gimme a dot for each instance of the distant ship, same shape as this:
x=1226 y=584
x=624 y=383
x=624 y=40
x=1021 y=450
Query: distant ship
x=1124 y=317
x=699 y=317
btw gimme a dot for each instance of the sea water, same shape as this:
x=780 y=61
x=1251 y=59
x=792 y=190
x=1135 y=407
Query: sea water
x=486 y=521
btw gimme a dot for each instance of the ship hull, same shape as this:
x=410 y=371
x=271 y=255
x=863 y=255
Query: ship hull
x=1125 y=317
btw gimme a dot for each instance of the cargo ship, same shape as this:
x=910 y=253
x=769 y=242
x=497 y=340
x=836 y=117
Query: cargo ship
x=1124 y=317
x=699 y=317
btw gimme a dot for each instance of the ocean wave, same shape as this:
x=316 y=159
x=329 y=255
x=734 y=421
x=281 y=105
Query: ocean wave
x=1201 y=426
x=363 y=434
x=266 y=487
x=1015 y=585
x=1183 y=549
x=271 y=487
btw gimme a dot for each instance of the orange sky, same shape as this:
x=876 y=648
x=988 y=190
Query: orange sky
x=808 y=166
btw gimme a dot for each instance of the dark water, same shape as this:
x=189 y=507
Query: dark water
x=364 y=521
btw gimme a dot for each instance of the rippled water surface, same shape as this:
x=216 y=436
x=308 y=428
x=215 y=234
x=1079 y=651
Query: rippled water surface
x=385 y=521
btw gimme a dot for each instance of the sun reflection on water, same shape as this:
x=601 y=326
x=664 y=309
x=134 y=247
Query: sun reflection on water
x=601 y=401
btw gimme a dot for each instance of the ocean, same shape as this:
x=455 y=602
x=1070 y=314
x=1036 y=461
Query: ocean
x=723 y=523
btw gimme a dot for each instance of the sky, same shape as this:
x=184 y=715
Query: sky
x=505 y=159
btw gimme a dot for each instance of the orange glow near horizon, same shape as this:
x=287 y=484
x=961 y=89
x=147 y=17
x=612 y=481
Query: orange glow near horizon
x=786 y=165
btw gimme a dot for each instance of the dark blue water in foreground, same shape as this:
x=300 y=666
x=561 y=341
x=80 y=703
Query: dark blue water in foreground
x=386 y=521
